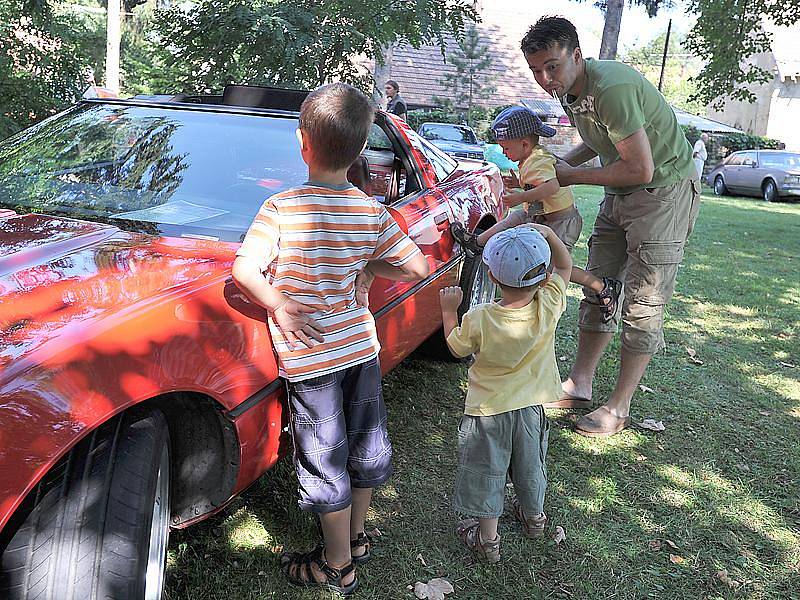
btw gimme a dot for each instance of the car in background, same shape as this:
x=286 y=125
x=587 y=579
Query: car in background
x=139 y=388
x=459 y=141
x=769 y=174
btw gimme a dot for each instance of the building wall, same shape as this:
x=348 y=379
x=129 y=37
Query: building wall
x=784 y=123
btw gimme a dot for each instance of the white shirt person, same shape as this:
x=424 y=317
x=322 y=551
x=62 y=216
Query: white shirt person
x=700 y=154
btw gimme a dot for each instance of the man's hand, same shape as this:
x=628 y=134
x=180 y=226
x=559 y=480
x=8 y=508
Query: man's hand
x=295 y=324
x=511 y=180
x=363 y=283
x=450 y=298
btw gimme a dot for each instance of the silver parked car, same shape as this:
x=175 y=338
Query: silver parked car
x=770 y=174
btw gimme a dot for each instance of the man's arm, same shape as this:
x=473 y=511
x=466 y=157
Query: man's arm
x=579 y=155
x=634 y=167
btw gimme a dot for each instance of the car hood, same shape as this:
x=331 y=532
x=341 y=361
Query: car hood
x=65 y=282
x=456 y=146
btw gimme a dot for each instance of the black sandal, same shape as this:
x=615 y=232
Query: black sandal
x=467 y=239
x=362 y=541
x=297 y=566
x=612 y=288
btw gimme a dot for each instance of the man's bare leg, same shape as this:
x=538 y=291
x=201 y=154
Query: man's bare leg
x=591 y=345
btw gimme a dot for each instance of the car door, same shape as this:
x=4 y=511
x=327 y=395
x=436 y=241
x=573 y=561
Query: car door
x=750 y=174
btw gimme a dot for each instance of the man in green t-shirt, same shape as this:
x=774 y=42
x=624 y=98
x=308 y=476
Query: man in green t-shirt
x=650 y=205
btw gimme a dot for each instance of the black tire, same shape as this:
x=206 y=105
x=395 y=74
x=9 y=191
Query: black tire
x=90 y=526
x=720 y=189
x=770 y=191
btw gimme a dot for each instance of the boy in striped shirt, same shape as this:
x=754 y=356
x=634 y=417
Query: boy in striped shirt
x=312 y=242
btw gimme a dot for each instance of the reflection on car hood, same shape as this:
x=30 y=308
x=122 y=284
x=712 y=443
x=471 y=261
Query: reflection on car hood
x=448 y=146
x=63 y=282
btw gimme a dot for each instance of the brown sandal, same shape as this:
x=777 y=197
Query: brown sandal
x=608 y=298
x=469 y=532
x=297 y=566
x=532 y=527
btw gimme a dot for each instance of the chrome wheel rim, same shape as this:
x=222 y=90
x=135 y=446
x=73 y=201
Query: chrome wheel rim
x=718 y=185
x=159 y=533
x=769 y=192
x=483 y=288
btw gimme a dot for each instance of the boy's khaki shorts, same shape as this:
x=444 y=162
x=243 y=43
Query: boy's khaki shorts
x=487 y=447
x=639 y=238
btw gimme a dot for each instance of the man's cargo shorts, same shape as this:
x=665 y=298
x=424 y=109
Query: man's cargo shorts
x=338 y=425
x=639 y=238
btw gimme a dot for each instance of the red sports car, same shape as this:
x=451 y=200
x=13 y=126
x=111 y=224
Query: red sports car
x=138 y=386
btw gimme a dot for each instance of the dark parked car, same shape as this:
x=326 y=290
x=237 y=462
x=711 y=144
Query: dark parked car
x=457 y=140
x=770 y=174
x=138 y=386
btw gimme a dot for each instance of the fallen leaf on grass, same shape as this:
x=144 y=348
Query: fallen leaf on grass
x=435 y=589
x=725 y=578
x=764 y=413
x=693 y=358
x=374 y=533
x=676 y=560
x=560 y=535
x=645 y=389
x=422 y=560
x=788 y=365
x=652 y=425
x=655 y=545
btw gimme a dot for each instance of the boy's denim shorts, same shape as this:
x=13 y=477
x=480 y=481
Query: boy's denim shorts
x=514 y=443
x=338 y=425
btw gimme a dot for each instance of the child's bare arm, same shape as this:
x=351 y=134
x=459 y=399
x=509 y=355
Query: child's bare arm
x=291 y=316
x=450 y=299
x=540 y=192
x=562 y=261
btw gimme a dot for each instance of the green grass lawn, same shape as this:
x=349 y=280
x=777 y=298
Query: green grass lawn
x=709 y=508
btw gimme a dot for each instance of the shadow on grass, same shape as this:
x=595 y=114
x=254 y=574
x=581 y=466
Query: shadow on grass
x=645 y=514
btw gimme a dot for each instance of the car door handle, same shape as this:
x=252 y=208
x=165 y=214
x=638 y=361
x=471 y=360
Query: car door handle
x=442 y=221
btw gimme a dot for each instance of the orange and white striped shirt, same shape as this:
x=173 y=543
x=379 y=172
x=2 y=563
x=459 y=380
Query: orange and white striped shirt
x=312 y=241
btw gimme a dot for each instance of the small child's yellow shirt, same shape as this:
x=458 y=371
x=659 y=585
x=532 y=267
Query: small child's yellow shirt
x=515 y=360
x=539 y=168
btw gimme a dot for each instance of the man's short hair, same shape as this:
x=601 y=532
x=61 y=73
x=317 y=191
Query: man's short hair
x=549 y=32
x=337 y=119
x=394 y=84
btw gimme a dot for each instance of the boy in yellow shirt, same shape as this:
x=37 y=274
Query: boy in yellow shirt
x=517 y=130
x=514 y=374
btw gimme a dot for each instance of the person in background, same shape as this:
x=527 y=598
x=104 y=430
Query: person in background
x=700 y=154
x=394 y=102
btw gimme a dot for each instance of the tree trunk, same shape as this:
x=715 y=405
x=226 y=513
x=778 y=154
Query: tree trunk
x=382 y=73
x=113 y=29
x=608 y=47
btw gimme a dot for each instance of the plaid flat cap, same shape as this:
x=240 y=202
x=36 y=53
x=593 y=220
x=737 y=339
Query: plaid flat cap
x=517 y=122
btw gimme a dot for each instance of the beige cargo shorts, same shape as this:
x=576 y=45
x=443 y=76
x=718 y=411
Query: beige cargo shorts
x=567 y=227
x=639 y=239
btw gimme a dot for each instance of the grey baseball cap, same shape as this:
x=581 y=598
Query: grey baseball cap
x=517 y=257
x=517 y=122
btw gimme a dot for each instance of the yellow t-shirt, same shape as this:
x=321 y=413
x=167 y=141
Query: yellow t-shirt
x=515 y=359
x=539 y=168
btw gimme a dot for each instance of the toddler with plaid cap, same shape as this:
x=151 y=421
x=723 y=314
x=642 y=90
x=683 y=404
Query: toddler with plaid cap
x=517 y=130
x=504 y=428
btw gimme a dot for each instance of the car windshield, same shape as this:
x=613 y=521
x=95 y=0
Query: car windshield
x=448 y=133
x=780 y=161
x=152 y=169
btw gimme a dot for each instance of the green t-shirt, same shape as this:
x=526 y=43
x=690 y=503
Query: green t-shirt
x=616 y=101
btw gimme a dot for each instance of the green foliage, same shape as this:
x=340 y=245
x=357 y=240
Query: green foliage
x=692 y=133
x=471 y=80
x=679 y=88
x=302 y=42
x=726 y=33
x=745 y=141
x=47 y=54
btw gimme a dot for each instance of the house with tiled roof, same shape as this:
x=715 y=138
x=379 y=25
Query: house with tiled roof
x=774 y=113
x=503 y=24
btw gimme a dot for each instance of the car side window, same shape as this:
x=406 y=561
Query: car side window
x=734 y=160
x=749 y=159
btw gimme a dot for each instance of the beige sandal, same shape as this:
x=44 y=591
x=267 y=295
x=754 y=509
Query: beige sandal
x=532 y=527
x=469 y=532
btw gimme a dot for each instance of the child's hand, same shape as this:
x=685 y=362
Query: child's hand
x=295 y=324
x=363 y=283
x=509 y=199
x=511 y=180
x=543 y=229
x=450 y=298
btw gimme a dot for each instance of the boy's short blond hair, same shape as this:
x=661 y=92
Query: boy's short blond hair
x=336 y=119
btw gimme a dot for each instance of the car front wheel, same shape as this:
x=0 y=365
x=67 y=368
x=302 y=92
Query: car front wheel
x=719 y=186
x=97 y=525
x=770 y=191
x=478 y=288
